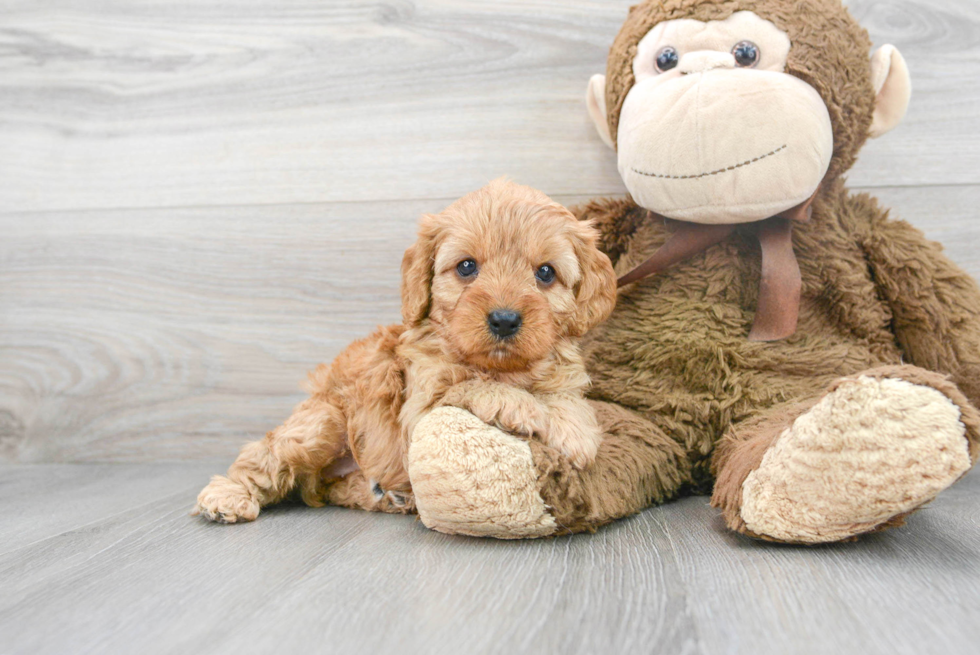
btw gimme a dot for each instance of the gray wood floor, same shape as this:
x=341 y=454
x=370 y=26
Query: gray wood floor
x=199 y=201
x=103 y=558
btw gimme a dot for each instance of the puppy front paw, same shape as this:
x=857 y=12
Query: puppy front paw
x=507 y=408
x=225 y=501
x=580 y=444
x=524 y=417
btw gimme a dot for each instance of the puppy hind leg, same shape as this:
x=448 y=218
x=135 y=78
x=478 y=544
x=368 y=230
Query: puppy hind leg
x=357 y=492
x=290 y=457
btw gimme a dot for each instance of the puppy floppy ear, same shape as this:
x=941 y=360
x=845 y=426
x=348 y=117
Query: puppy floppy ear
x=595 y=296
x=417 y=271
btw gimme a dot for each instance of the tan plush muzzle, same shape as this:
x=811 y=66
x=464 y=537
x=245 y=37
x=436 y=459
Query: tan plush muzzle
x=708 y=143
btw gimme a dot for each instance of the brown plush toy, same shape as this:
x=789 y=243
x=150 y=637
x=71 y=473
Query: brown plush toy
x=785 y=341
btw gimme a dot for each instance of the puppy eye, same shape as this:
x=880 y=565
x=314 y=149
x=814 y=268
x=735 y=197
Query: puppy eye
x=466 y=268
x=667 y=59
x=746 y=54
x=545 y=274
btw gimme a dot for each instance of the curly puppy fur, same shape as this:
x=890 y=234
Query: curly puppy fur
x=347 y=443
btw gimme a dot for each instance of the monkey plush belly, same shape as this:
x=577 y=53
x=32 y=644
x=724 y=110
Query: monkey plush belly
x=675 y=349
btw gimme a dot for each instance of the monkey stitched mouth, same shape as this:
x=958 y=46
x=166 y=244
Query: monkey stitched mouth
x=717 y=172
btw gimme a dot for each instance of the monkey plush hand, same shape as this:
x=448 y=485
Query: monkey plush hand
x=777 y=338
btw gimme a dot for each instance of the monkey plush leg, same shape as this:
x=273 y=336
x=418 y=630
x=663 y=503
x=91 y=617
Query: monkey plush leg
x=861 y=458
x=473 y=479
x=266 y=471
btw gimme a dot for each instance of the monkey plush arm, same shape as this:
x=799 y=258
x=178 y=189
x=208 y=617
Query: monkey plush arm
x=935 y=305
x=615 y=219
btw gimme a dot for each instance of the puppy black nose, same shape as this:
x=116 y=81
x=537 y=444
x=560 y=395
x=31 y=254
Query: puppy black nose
x=504 y=322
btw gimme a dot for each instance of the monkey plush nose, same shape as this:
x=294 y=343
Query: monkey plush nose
x=704 y=61
x=504 y=322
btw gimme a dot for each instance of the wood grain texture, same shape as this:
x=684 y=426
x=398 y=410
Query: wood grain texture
x=157 y=104
x=158 y=301
x=43 y=501
x=152 y=334
x=144 y=577
x=178 y=334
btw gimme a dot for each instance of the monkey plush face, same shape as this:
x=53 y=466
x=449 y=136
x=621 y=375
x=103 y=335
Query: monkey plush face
x=725 y=116
x=713 y=116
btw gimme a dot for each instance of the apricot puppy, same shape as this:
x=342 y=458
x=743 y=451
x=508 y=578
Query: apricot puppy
x=495 y=293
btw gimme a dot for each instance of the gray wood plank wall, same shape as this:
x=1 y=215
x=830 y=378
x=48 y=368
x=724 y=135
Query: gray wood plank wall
x=199 y=201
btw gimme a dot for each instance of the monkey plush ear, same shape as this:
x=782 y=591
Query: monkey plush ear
x=595 y=99
x=893 y=89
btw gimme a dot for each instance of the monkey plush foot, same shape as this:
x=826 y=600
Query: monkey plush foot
x=871 y=451
x=473 y=479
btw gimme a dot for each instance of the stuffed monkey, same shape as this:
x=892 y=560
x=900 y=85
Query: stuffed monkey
x=776 y=337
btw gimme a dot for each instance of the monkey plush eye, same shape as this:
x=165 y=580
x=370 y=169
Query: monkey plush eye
x=466 y=268
x=545 y=274
x=667 y=58
x=746 y=54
